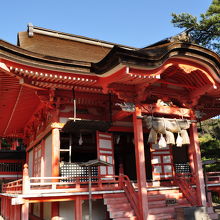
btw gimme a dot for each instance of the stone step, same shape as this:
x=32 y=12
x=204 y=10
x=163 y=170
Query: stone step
x=157 y=204
x=174 y=196
x=166 y=216
x=213 y=216
x=115 y=200
x=183 y=202
x=156 y=197
x=167 y=209
x=113 y=195
x=121 y=214
x=119 y=207
x=126 y=218
x=163 y=192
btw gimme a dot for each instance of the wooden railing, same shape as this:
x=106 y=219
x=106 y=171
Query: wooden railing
x=14 y=187
x=61 y=184
x=131 y=194
x=36 y=185
x=185 y=182
x=213 y=178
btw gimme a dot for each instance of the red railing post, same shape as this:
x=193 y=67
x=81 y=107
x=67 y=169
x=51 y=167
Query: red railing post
x=121 y=181
x=25 y=180
x=132 y=196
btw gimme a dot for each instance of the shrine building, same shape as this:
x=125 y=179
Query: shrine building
x=96 y=130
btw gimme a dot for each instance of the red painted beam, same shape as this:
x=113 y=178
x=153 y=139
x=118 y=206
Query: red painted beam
x=120 y=115
x=165 y=110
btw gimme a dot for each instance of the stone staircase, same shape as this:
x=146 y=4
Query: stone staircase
x=162 y=205
x=119 y=207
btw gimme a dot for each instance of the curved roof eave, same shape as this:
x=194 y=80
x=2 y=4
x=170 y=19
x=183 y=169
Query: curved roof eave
x=153 y=57
x=19 y=55
x=146 y=58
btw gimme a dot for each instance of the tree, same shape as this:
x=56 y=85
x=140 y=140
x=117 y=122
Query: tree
x=209 y=138
x=205 y=30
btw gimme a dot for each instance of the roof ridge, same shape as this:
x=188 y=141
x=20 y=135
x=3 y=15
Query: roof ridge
x=31 y=29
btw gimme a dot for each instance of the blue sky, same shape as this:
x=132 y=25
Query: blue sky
x=133 y=23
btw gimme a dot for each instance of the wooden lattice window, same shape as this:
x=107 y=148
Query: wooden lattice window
x=182 y=168
x=74 y=170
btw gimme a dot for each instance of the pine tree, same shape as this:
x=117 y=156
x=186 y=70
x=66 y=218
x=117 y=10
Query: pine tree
x=205 y=30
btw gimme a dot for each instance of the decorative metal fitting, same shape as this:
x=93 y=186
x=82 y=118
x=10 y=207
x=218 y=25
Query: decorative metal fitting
x=126 y=106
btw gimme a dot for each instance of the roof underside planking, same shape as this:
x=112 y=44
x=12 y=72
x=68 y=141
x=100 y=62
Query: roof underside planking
x=184 y=72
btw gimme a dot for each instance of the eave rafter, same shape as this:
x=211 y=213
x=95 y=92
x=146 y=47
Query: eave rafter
x=47 y=79
x=129 y=83
x=43 y=79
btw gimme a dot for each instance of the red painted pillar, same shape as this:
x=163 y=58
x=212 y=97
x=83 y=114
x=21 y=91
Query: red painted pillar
x=10 y=212
x=78 y=208
x=17 y=212
x=2 y=201
x=6 y=207
x=55 y=148
x=140 y=164
x=55 y=211
x=42 y=210
x=25 y=211
x=55 y=164
x=3 y=207
x=196 y=164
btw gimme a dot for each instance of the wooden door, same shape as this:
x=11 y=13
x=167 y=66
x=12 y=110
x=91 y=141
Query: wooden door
x=105 y=153
x=162 y=162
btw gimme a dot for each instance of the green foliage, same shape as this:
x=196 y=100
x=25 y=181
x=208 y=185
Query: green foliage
x=209 y=137
x=205 y=30
x=215 y=197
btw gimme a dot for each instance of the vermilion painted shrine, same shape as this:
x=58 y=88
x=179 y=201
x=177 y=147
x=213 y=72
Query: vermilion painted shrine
x=110 y=130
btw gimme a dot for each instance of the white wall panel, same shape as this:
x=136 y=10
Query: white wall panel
x=30 y=163
x=48 y=156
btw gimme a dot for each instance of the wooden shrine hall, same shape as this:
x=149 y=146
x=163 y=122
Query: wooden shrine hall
x=110 y=130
